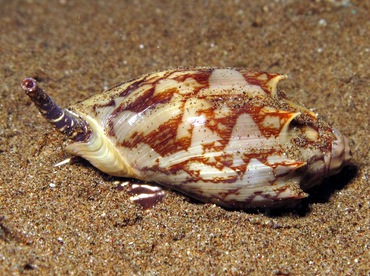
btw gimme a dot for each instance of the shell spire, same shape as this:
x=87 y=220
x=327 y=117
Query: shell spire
x=63 y=120
x=273 y=82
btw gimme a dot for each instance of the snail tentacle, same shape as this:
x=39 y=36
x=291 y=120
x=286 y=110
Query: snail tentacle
x=69 y=124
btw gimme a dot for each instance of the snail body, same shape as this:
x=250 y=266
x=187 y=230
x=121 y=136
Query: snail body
x=225 y=136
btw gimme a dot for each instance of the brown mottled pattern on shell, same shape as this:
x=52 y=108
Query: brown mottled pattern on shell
x=154 y=129
x=163 y=139
x=166 y=132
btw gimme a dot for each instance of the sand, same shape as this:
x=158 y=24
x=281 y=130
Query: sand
x=73 y=220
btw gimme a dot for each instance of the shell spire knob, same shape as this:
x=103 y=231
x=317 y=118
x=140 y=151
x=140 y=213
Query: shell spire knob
x=65 y=122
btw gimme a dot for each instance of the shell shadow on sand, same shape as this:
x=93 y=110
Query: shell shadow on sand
x=319 y=194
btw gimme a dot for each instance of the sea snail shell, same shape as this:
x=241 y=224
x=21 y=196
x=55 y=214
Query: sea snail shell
x=225 y=136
